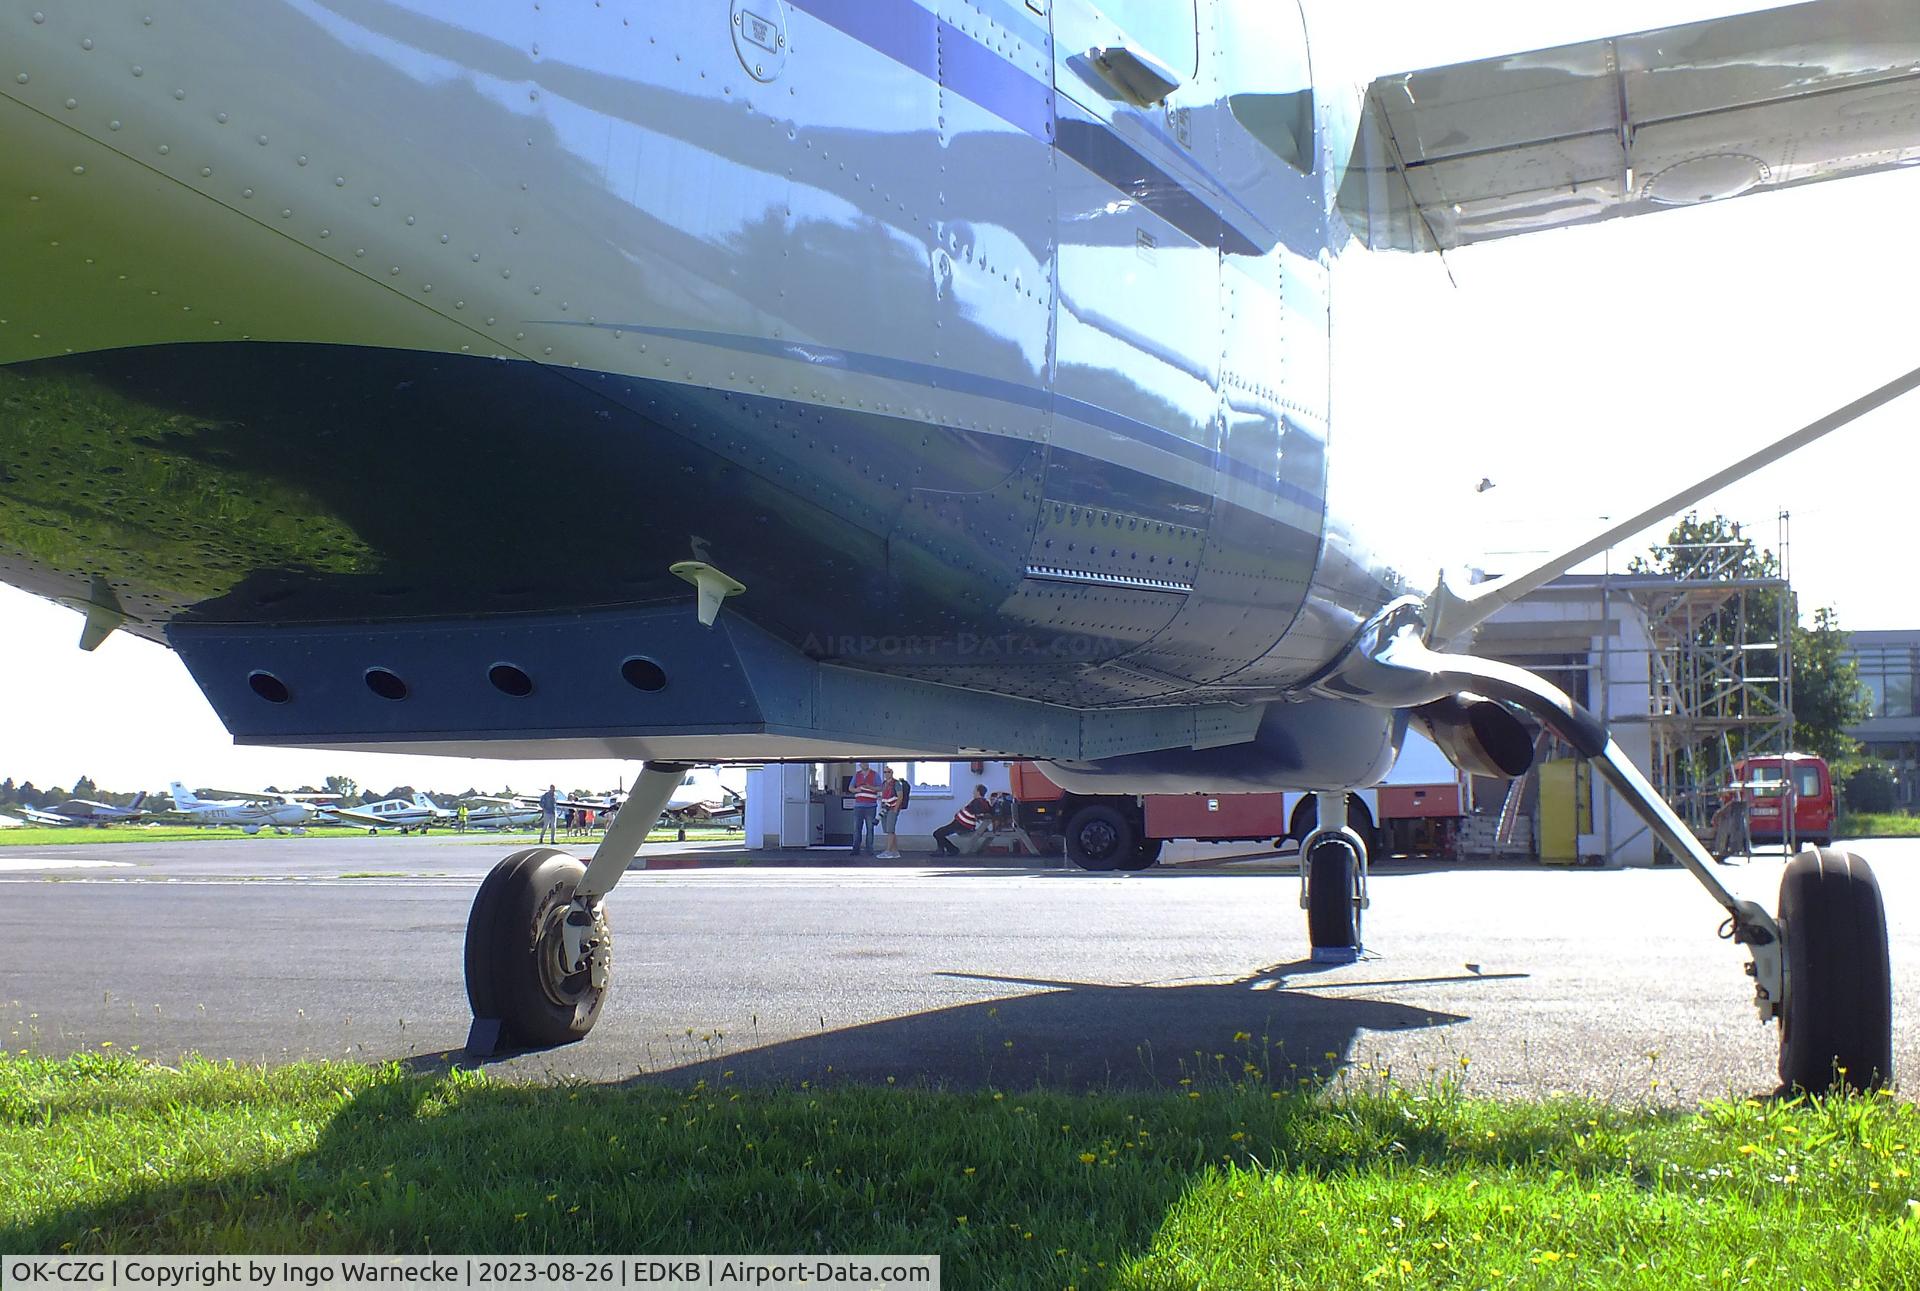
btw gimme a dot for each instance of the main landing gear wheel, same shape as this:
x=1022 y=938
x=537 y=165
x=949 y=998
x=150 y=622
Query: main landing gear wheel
x=517 y=952
x=1836 y=1027
x=1100 y=838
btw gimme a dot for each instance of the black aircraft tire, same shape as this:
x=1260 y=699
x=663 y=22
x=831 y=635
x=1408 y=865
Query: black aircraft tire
x=1837 y=1027
x=504 y=957
x=1330 y=886
x=1145 y=855
x=1099 y=837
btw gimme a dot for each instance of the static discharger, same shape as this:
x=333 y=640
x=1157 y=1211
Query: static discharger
x=714 y=587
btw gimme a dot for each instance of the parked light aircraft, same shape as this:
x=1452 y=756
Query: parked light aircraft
x=702 y=795
x=905 y=382
x=250 y=812
x=85 y=811
x=502 y=813
x=404 y=814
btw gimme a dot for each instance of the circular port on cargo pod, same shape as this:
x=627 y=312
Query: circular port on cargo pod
x=643 y=674
x=385 y=684
x=509 y=680
x=268 y=687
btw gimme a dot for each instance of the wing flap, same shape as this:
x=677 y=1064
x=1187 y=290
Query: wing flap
x=1610 y=128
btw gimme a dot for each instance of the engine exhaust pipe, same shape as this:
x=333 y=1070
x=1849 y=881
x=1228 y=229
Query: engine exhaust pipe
x=1478 y=735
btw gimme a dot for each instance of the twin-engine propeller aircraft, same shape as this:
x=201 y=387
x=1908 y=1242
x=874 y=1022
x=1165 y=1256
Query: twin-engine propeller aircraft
x=891 y=380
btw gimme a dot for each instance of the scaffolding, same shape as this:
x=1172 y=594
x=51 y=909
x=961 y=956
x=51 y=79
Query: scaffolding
x=1721 y=669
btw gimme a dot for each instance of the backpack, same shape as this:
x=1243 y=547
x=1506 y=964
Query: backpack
x=903 y=787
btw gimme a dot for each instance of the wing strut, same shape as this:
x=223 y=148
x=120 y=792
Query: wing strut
x=1453 y=613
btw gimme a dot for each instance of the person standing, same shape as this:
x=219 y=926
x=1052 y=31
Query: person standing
x=963 y=821
x=892 y=798
x=866 y=804
x=549 y=816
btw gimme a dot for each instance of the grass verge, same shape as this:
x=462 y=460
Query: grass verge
x=1877 y=824
x=1228 y=1186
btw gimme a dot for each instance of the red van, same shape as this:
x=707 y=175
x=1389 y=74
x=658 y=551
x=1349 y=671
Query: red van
x=1769 y=784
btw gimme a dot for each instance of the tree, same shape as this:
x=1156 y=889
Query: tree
x=84 y=787
x=1827 y=694
x=344 y=786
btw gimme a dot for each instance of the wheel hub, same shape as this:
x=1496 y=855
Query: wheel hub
x=573 y=947
x=1098 y=839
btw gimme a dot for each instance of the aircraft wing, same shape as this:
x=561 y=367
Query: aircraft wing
x=36 y=816
x=1630 y=124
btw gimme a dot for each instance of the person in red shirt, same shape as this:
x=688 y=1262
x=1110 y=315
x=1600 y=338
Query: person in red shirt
x=866 y=803
x=963 y=820
x=891 y=800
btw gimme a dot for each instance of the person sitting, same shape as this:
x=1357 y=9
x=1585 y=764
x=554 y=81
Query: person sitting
x=964 y=820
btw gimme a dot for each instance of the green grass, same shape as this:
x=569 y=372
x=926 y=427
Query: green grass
x=1207 y=1186
x=1877 y=824
x=55 y=836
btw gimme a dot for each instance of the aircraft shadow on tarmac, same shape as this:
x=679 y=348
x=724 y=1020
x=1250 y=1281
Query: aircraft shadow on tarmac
x=1070 y=1036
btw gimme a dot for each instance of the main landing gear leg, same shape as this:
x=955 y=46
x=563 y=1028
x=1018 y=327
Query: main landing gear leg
x=1333 y=883
x=539 y=949
x=1820 y=967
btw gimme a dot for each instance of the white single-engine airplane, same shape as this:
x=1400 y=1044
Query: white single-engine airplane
x=893 y=381
x=250 y=812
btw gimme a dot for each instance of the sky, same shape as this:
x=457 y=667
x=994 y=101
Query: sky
x=1585 y=373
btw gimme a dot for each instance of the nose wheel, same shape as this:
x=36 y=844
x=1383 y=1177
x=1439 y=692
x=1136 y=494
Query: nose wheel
x=1333 y=886
x=538 y=963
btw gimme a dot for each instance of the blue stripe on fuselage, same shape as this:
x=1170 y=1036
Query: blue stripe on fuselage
x=935 y=377
x=916 y=38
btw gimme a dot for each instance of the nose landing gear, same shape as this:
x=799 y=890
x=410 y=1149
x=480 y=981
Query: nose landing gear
x=1333 y=884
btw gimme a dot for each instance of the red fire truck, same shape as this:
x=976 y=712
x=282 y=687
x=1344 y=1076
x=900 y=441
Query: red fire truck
x=1417 y=810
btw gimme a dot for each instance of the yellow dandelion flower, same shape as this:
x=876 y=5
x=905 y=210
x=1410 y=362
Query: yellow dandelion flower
x=1087 y=1158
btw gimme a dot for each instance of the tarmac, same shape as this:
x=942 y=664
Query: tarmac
x=1513 y=979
